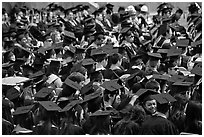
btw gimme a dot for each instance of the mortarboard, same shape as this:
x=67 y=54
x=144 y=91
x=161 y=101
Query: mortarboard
x=21 y=131
x=125 y=30
x=143 y=93
x=37 y=74
x=13 y=80
x=69 y=34
x=176 y=78
x=101 y=113
x=98 y=51
x=183 y=84
x=12 y=93
x=182 y=42
x=163 y=98
x=161 y=77
x=80 y=50
x=109 y=6
x=86 y=88
x=50 y=106
x=91 y=96
x=23 y=110
x=197 y=43
x=43 y=93
x=111 y=85
x=54 y=62
x=197 y=69
x=28 y=68
x=7 y=65
x=162 y=51
x=70 y=105
x=174 y=52
x=72 y=84
x=154 y=55
x=124 y=16
x=86 y=7
x=88 y=61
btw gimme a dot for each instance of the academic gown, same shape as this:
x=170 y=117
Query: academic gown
x=157 y=125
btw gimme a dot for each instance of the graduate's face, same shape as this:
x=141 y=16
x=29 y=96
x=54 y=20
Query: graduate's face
x=150 y=106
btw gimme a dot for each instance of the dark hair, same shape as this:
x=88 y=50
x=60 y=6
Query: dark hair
x=101 y=125
x=126 y=128
x=115 y=58
x=138 y=114
x=152 y=84
x=179 y=11
x=163 y=108
x=121 y=9
x=193 y=115
x=95 y=104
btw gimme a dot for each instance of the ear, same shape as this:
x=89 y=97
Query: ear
x=75 y=114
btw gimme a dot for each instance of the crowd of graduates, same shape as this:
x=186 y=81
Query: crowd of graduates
x=76 y=71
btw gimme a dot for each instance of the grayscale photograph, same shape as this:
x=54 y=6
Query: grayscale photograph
x=101 y=68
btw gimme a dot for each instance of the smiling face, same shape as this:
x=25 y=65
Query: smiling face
x=150 y=106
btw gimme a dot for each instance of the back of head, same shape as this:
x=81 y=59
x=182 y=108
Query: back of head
x=152 y=84
x=115 y=58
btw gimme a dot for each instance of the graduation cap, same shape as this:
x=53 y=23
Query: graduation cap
x=54 y=62
x=143 y=93
x=70 y=50
x=161 y=77
x=14 y=80
x=86 y=88
x=7 y=65
x=182 y=42
x=124 y=16
x=23 y=110
x=183 y=84
x=50 y=106
x=70 y=105
x=197 y=43
x=133 y=78
x=163 y=51
x=28 y=68
x=109 y=6
x=100 y=113
x=72 y=84
x=86 y=7
x=176 y=78
x=174 y=52
x=21 y=131
x=96 y=12
x=69 y=34
x=111 y=85
x=12 y=93
x=80 y=50
x=91 y=96
x=197 y=69
x=163 y=98
x=43 y=93
x=88 y=61
x=98 y=52
x=125 y=30
x=154 y=55
x=37 y=74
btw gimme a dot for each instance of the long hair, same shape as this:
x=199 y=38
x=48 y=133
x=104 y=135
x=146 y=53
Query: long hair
x=193 y=116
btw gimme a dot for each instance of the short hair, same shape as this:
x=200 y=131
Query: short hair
x=115 y=58
x=152 y=84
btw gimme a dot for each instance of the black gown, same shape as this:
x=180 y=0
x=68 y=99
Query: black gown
x=157 y=125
